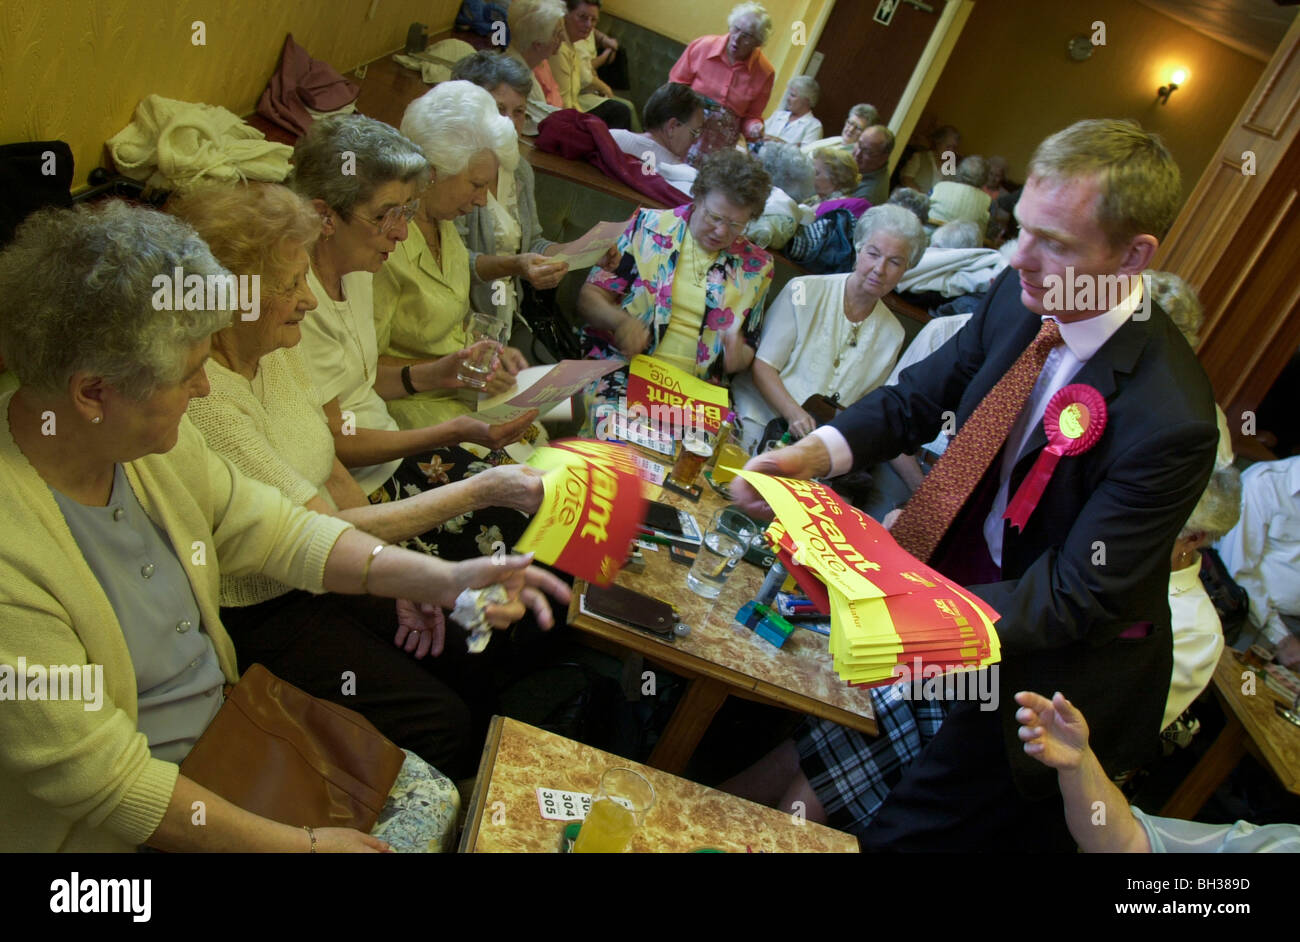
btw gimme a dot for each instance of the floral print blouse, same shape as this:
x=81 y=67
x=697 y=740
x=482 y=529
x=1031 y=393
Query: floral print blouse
x=735 y=289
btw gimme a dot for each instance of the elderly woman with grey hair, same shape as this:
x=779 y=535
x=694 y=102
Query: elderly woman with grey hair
x=835 y=175
x=129 y=523
x=861 y=116
x=792 y=182
x=733 y=76
x=963 y=197
x=795 y=123
x=504 y=237
x=831 y=334
x=364 y=179
x=422 y=295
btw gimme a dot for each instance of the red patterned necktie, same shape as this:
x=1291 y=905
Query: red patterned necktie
x=926 y=517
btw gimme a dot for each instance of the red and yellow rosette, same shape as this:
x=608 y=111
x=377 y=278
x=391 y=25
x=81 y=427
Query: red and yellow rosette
x=1074 y=420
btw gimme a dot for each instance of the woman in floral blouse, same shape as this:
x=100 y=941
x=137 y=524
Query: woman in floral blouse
x=689 y=289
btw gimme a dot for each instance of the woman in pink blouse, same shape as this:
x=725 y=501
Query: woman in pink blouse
x=734 y=77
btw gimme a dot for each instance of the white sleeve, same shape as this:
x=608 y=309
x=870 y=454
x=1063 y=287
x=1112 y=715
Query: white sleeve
x=780 y=332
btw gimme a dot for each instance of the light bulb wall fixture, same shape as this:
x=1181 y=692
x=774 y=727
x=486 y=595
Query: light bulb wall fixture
x=1178 y=78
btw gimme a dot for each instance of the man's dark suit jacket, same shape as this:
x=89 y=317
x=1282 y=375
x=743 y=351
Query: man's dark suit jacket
x=1094 y=558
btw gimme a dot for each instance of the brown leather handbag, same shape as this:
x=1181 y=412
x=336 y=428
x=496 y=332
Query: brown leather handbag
x=286 y=755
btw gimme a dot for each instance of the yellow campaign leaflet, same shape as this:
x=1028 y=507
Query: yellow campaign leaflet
x=673 y=399
x=821 y=544
x=564 y=492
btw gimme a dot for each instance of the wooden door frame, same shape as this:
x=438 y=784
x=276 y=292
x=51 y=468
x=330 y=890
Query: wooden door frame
x=1229 y=239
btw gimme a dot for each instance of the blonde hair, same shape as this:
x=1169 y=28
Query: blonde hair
x=841 y=166
x=1141 y=189
x=253 y=228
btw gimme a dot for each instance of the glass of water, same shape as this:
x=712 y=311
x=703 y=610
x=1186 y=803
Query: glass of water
x=483 y=333
x=727 y=538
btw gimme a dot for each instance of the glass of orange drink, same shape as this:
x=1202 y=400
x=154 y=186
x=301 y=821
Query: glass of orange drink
x=618 y=808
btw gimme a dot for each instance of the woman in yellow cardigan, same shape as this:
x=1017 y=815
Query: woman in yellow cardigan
x=127 y=523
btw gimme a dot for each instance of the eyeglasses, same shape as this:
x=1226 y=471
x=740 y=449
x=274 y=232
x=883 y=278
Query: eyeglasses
x=747 y=37
x=713 y=220
x=390 y=220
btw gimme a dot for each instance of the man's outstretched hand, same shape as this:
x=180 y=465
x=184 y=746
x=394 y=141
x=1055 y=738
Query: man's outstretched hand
x=807 y=459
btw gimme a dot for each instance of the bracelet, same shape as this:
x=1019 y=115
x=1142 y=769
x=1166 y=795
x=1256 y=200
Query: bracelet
x=312 y=834
x=365 y=570
x=406 y=381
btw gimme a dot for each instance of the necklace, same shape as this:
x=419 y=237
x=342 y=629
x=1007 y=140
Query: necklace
x=839 y=346
x=348 y=319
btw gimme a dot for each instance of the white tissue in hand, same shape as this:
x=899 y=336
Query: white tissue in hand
x=469 y=614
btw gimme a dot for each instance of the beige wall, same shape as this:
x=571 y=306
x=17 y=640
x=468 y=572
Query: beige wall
x=685 y=20
x=1010 y=83
x=75 y=69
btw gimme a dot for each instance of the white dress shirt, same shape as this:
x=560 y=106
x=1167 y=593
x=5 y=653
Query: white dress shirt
x=1198 y=640
x=797 y=131
x=1081 y=340
x=1263 y=550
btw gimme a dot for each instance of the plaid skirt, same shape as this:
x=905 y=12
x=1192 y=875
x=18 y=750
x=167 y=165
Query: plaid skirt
x=853 y=773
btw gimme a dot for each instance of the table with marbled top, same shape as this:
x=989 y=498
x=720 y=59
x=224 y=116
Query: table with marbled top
x=721 y=657
x=504 y=817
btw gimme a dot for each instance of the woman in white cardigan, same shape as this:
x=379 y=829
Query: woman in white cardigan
x=94 y=441
x=831 y=334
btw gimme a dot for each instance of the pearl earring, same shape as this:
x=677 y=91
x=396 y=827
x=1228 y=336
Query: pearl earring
x=95 y=420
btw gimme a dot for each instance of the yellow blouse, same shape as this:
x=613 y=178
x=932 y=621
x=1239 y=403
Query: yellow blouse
x=420 y=309
x=681 y=340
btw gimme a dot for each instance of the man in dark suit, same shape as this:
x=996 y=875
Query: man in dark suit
x=1082 y=590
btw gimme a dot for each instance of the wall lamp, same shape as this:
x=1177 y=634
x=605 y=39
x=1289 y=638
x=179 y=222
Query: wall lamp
x=1178 y=78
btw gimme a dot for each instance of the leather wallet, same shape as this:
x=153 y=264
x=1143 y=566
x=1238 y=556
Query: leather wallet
x=632 y=608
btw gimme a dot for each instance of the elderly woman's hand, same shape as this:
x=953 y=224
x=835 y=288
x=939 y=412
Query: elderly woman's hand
x=526 y=586
x=506 y=367
x=511 y=485
x=801 y=423
x=541 y=272
x=470 y=429
x=421 y=628
x=609 y=261
x=631 y=337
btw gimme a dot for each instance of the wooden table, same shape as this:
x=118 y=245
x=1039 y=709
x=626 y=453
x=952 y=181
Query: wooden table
x=1252 y=725
x=720 y=657
x=518 y=759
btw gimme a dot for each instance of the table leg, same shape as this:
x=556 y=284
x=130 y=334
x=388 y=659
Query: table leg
x=691 y=717
x=1221 y=758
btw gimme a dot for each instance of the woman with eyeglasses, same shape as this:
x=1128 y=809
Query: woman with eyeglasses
x=364 y=179
x=733 y=75
x=689 y=288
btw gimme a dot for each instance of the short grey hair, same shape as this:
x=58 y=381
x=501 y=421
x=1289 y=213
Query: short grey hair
x=790 y=169
x=79 y=288
x=867 y=113
x=491 y=70
x=533 y=21
x=1219 y=507
x=1177 y=299
x=895 y=220
x=807 y=87
x=973 y=170
x=913 y=200
x=375 y=153
x=454 y=121
x=749 y=11
x=962 y=234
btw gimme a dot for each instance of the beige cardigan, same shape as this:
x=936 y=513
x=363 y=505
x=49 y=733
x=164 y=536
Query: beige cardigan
x=74 y=779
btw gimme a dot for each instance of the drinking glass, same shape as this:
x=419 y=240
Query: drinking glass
x=618 y=808
x=697 y=448
x=728 y=536
x=483 y=334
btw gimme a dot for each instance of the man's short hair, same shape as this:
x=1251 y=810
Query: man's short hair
x=1141 y=188
x=671 y=100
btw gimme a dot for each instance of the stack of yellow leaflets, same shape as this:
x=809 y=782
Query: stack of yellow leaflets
x=887 y=608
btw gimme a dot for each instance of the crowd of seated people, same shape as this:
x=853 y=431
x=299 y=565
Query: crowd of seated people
x=329 y=452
